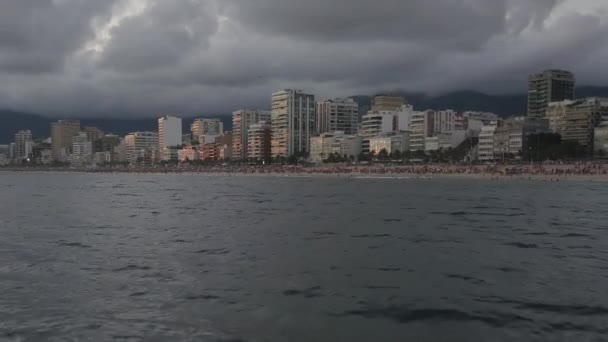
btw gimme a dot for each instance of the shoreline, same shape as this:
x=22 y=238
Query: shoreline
x=488 y=176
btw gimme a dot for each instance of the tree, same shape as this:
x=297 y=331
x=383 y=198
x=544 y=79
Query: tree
x=383 y=155
x=396 y=155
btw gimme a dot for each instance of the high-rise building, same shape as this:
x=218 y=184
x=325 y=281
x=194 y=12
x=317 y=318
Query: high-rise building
x=169 y=131
x=422 y=125
x=486 y=141
x=23 y=144
x=62 y=133
x=93 y=133
x=338 y=115
x=293 y=116
x=259 y=141
x=387 y=103
x=82 y=150
x=169 y=137
x=140 y=147
x=548 y=86
x=241 y=122
x=205 y=131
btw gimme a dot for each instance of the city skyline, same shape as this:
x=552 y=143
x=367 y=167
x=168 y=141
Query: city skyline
x=134 y=57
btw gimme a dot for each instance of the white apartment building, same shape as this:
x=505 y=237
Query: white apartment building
x=23 y=144
x=403 y=118
x=139 y=145
x=241 y=122
x=293 y=122
x=486 y=141
x=421 y=128
x=377 y=123
x=169 y=136
x=330 y=143
x=169 y=131
x=337 y=115
x=82 y=150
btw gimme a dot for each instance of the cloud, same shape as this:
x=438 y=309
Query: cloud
x=38 y=35
x=147 y=57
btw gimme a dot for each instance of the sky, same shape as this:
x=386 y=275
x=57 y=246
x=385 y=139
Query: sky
x=145 y=58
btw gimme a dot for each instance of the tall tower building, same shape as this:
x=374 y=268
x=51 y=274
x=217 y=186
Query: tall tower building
x=293 y=122
x=548 y=86
x=62 y=133
x=337 y=115
x=23 y=144
x=241 y=122
x=169 y=131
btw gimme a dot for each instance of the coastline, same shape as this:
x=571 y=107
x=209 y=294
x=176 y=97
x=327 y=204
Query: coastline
x=388 y=175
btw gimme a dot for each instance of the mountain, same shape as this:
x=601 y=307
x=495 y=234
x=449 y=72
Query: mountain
x=504 y=105
x=12 y=122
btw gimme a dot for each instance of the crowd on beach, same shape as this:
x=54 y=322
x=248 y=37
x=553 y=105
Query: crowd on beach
x=493 y=170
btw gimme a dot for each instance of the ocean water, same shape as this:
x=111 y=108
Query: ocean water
x=209 y=258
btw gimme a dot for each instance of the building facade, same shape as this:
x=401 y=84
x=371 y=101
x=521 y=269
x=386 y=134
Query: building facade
x=321 y=147
x=169 y=137
x=23 y=144
x=241 y=124
x=486 y=141
x=444 y=121
x=62 y=133
x=82 y=150
x=293 y=115
x=141 y=147
x=205 y=131
x=259 y=142
x=387 y=103
x=337 y=115
x=422 y=126
x=581 y=119
x=548 y=86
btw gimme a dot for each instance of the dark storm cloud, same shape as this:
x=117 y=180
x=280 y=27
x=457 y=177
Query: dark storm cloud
x=37 y=35
x=162 y=35
x=147 y=57
x=461 y=24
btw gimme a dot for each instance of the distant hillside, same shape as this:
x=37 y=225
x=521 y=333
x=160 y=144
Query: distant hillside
x=40 y=126
x=504 y=105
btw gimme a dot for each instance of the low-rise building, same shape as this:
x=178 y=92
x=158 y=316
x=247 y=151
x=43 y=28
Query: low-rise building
x=323 y=146
x=189 y=153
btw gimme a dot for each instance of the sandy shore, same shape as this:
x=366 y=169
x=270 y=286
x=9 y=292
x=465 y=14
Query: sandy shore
x=346 y=175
